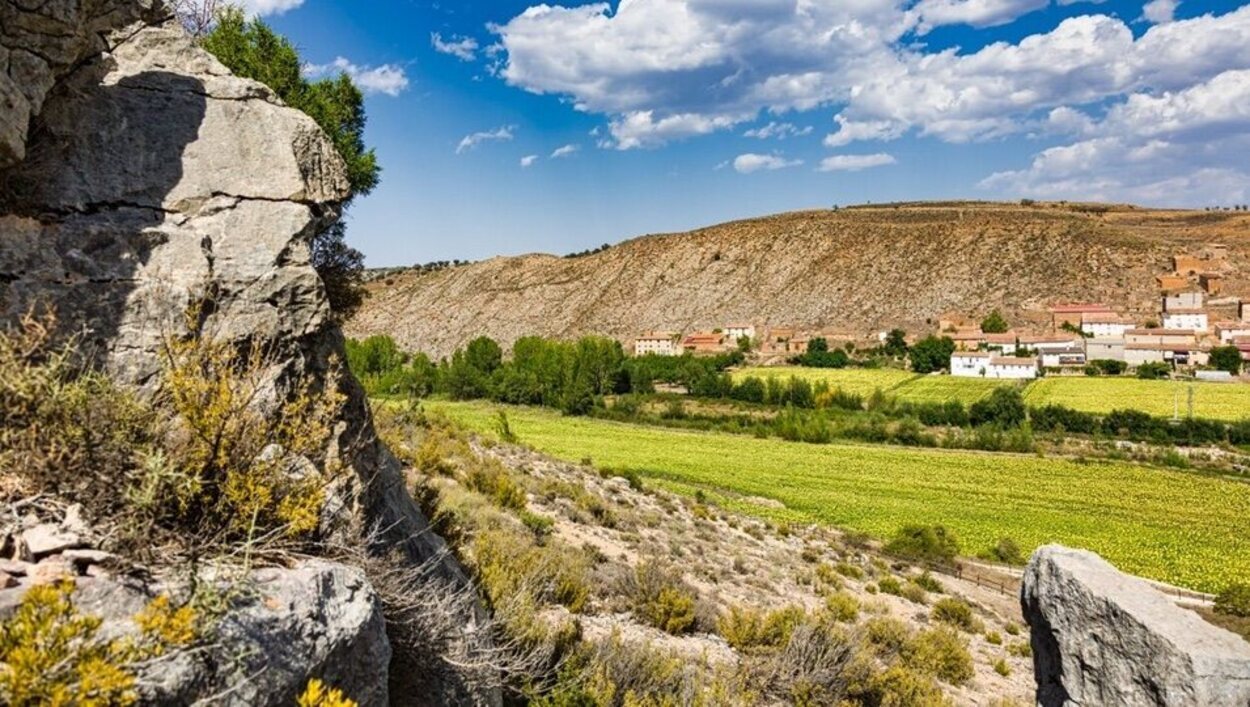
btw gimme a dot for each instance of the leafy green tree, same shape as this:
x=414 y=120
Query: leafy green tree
x=1226 y=358
x=1153 y=371
x=932 y=354
x=1003 y=407
x=251 y=49
x=995 y=323
x=896 y=343
x=484 y=354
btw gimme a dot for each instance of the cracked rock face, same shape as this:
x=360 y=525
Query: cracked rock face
x=1101 y=637
x=137 y=177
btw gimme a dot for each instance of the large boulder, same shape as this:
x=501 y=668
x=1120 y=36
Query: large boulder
x=1101 y=637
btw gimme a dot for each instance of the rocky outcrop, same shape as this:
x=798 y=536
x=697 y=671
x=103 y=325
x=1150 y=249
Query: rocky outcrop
x=39 y=43
x=153 y=180
x=1101 y=637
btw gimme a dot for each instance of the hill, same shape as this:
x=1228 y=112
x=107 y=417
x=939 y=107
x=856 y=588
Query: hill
x=860 y=269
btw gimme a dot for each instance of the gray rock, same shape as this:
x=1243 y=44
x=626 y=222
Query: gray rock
x=1101 y=637
x=318 y=619
x=158 y=179
x=48 y=538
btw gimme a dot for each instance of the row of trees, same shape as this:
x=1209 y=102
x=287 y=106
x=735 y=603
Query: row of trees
x=569 y=375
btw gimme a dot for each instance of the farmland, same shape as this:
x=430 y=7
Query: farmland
x=1217 y=401
x=1181 y=528
x=903 y=385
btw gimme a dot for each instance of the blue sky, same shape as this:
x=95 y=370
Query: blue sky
x=664 y=109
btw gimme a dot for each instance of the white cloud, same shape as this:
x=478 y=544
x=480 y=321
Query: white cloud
x=528 y=160
x=855 y=163
x=978 y=13
x=269 y=7
x=502 y=134
x=463 y=48
x=1183 y=147
x=750 y=162
x=387 y=78
x=780 y=131
x=1160 y=12
x=565 y=151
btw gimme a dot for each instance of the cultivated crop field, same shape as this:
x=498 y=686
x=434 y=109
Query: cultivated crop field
x=858 y=381
x=903 y=385
x=1219 y=401
x=1186 y=529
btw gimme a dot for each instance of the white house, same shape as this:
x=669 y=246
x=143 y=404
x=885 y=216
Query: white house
x=1050 y=342
x=970 y=364
x=1011 y=367
x=735 y=332
x=1180 y=355
x=1185 y=320
x=1104 y=349
x=1104 y=325
x=1229 y=331
x=658 y=343
x=1059 y=358
x=1188 y=298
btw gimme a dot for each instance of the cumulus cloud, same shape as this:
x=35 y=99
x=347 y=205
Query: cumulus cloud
x=1160 y=11
x=1174 y=148
x=750 y=162
x=269 y=7
x=978 y=13
x=779 y=131
x=528 y=161
x=661 y=71
x=565 y=151
x=387 y=78
x=855 y=163
x=463 y=48
x=502 y=134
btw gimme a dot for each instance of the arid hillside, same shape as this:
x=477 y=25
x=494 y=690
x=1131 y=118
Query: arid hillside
x=858 y=269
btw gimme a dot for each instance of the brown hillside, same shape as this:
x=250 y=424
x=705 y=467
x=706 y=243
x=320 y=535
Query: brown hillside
x=863 y=269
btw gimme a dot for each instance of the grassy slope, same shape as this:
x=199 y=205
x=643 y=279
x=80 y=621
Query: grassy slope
x=1181 y=528
x=1217 y=401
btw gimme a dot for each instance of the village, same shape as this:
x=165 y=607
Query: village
x=1195 y=315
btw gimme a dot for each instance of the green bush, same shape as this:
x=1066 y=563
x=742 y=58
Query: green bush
x=887 y=634
x=842 y=607
x=914 y=593
x=924 y=543
x=846 y=569
x=956 y=612
x=994 y=638
x=929 y=583
x=942 y=653
x=1153 y=371
x=899 y=687
x=1007 y=552
x=1001 y=667
x=890 y=585
x=1234 y=600
x=660 y=598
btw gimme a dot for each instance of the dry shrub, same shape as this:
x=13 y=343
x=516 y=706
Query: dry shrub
x=195 y=470
x=940 y=652
x=659 y=597
x=51 y=654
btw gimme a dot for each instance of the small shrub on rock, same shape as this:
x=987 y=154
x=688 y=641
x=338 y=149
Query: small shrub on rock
x=842 y=607
x=890 y=585
x=660 y=598
x=318 y=694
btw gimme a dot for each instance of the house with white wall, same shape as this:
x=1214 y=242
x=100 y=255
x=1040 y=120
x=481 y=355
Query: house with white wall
x=1010 y=367
x=1194 y=320
x=1229 y=331
x=1105 y=325
x=1035 y=343
x=970 y=364
x=1062 y=358
x=657 y=343
x=1185 y=298
x=1177 y=354
x=1104 y=349
x=736 y=332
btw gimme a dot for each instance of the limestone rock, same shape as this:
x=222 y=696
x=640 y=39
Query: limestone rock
x=1101 y=637
x=48 y=538
x=39 y=43
x=318 y=619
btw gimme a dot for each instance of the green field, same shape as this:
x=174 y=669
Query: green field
x=1182 y=528
x=903 y=385
x=857 y=381
x=1217 y=401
